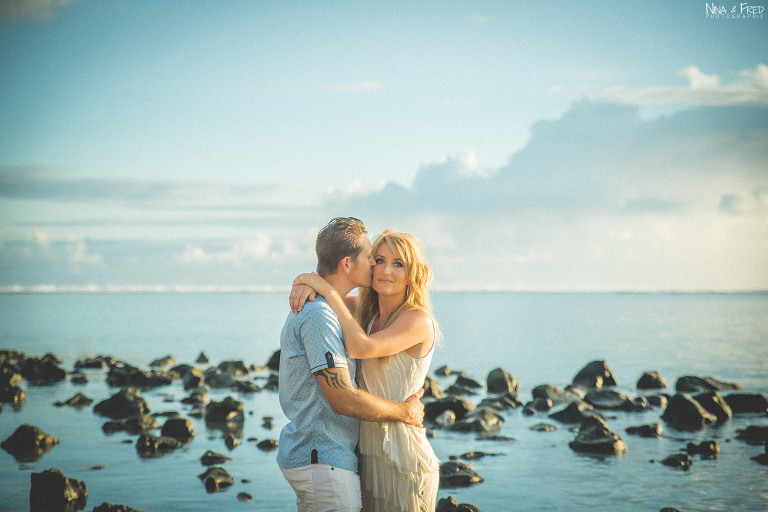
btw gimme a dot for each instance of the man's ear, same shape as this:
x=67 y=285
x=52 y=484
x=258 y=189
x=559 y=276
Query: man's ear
x=345 y=265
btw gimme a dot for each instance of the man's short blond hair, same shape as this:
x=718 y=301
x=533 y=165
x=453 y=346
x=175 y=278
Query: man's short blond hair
x=341 y=237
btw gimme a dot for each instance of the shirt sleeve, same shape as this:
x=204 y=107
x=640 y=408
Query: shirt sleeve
x=323 y=343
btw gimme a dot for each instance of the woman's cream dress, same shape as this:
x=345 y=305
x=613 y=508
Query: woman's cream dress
x=398 y=469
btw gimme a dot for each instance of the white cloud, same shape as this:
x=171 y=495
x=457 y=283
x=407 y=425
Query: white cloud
x=478 y=19
x=79 y=256
x=750 y=88
x=42 y=240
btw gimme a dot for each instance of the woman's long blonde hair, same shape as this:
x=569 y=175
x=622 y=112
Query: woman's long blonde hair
x=405 y=247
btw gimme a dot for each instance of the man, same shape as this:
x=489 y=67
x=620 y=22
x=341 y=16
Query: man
x=317 y=386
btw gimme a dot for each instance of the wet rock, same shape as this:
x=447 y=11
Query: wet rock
x=747 y=402
x=78 y=400
x=457 y=474
x=474 y=455
x=198 y=396
x=268 y=422
x=444 y=371
x=162 y=362
x=558 y=396
x=14 y=395
x=457 y=390
x=575 y=412
x=543 y=427
x=42 y=372
x=227 y=411
x=707 y=449
x=244 y=496
x=651 y=380
x=482 y=419
x=753 y=434
x=268 y=445
x=613 y=400
x=216 y=479
x=274 y=361
x=217 y=379
x=236 y=368
x=78 y=378
x=28 y=443
x=657 y=400
x=202 y=358
x=693 y=384
x=108 y=507
x=685 y=413
x=762 y=458
x=596 y=374
x=210 y=458
x=450 y=504
x=678 y=460
x=715 y=404
x=132 y=425
x=460 y=406
x=178 y=428
x=432 y=388
x=123 y=404
x=231 y=442
x=154 y=446
x=243 y=386
x=651 y=430
x=501 y=403
x=94 y=363
x=52 y=491
x=499 y=381
x=272 y=382
x=130 y=376
x=537 y=405
x=595 y=437
x=446 y=419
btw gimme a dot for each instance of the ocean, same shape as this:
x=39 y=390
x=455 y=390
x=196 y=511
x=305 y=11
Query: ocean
x=539 y=338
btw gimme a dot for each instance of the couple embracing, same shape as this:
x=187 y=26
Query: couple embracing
x=352 y=370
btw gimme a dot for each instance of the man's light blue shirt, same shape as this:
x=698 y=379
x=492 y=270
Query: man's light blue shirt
x=311 y=341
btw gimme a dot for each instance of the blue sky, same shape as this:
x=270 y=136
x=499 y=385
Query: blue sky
x=543 y=145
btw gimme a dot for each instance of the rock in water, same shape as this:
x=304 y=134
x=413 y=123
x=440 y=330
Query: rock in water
x=499 y=381
x=457 y=474
x=714 y=404
x=210 y=458
x=153 y=446
x=123 y=404
x=178 y=428
x=685 y=413
x=678 y=460
x=747 y=402
x=595 y=437
x=108 y=507
x=52 y=491
x=652 y=430
x=651 y=380
x=595 y=375
x=690 y=383
x=216 y=479
x=28 y=443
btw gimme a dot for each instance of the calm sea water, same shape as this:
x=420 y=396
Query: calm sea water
x=538 y=338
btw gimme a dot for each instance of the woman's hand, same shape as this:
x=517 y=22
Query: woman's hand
x=300 y=294
x=315 y=282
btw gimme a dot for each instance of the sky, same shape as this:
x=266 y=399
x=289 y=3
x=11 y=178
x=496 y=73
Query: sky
x=544 y=146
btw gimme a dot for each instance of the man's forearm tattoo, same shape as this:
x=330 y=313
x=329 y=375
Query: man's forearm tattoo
x=337 y=379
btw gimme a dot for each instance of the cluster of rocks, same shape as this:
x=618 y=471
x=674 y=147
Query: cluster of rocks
x=129 y=412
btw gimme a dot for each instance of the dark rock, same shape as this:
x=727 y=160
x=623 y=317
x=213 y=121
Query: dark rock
x=558 y=396
x=747 y=402
x=475 y=455
x=753 y=434
x=575 y=412
x=236 y=368
x=449 y=504
x=227 y=411
x=432 y=388
x=178 y=428
x=123 y=404
x=501 y=403
x=707 y=449
x=268 y=422
x=132 y=425
x=216 y=479
x=685 y=413
x=651 y=380
x=457 y=474
x=468 y=382
x=613 y=400
x=499 y=381
x=268 y=445
x=154 y=446
x=210 y=458
x=243 y=496
x=243 y=386
x=28 y=443
x=482 y=419
x=460 y=406
x=13 y=395
x=163 y=362
x=543 y=427
x=129 y=376
x=446 y=420
x=274 y=361
x=652 y=430
x=457 y=390
x=52 y=491
x=272 y=382
x=10 y=376
x=78 y=400
x=762 y=458
x=94 y=363
x=443 y=371
x=669 y=509
x=715 y=404
x=657 y=400
x=537 y=405
x=202 y=358
x=108 y=507
x=218 y=379
x=596 y=374
x=678 y=460
x=198 y=396
x=595 y=437
x=692 y=384
x=231 y=442
x=42 y=372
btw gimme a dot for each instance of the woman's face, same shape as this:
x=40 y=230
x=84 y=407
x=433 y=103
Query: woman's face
x=389 y=274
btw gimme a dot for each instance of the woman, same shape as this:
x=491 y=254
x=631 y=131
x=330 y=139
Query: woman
x=399 y=470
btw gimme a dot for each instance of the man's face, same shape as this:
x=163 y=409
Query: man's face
x=362 y=268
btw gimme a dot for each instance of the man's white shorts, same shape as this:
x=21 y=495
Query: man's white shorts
x=324 y=488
